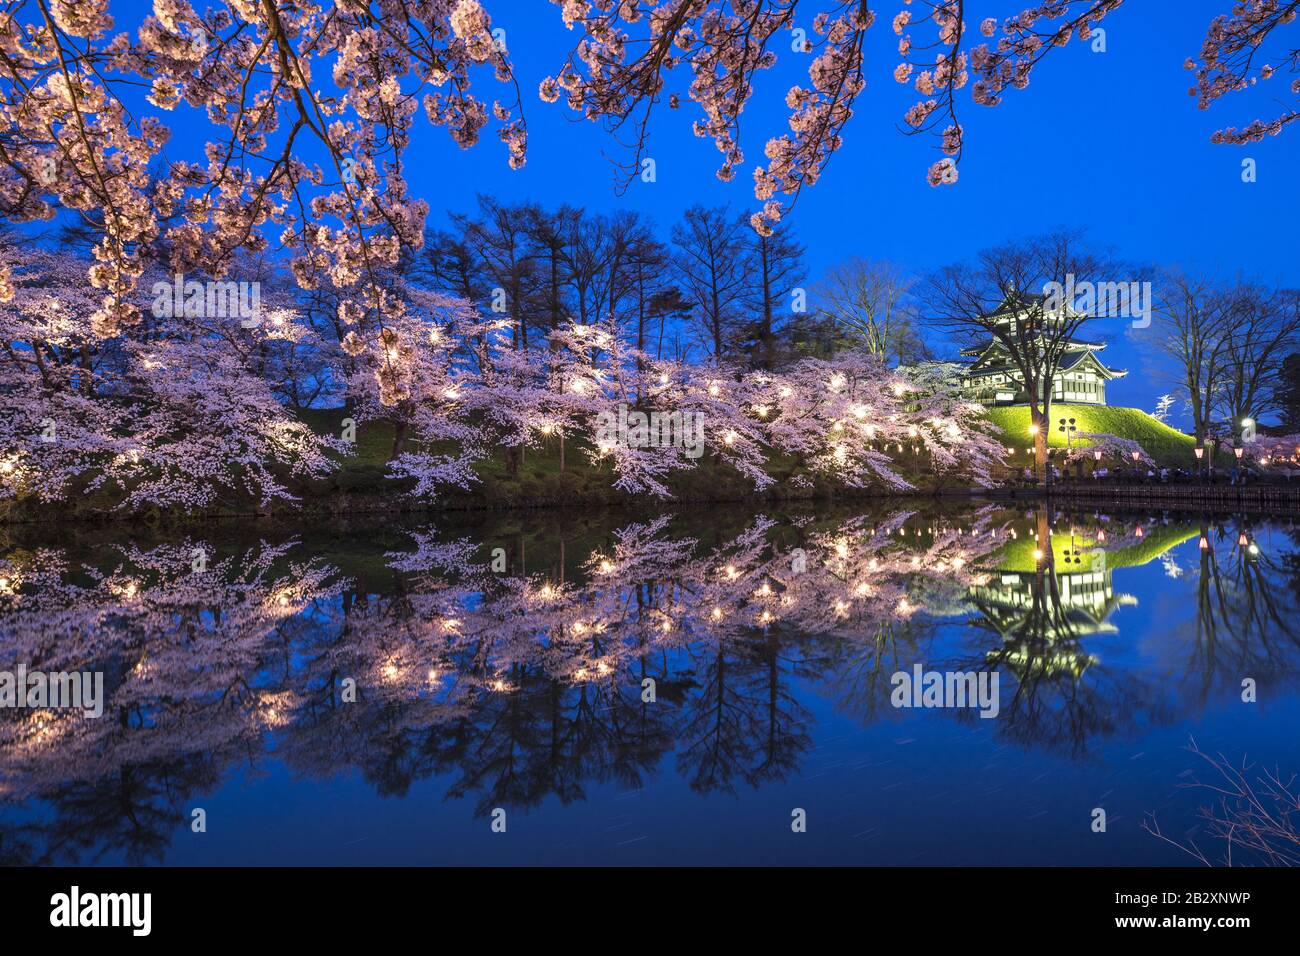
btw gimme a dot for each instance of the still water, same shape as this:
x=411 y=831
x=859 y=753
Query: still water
x=616 y=688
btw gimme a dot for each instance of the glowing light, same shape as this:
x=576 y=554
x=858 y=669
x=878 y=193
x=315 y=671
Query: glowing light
x=837 y=381
x=730 y=437
x=785 y=391
x=714 y=390
x=1033 y=429
x=762 y=410
x=606 y=567
x=579 y=387
x=716 y=614
x=1038 y=554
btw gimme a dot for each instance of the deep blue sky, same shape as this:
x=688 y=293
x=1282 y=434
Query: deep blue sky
x=1107 y=142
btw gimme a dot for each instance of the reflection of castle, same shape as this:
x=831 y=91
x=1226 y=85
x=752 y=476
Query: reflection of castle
x=1042 y=616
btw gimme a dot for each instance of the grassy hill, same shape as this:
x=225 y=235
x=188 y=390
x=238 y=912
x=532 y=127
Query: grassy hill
x=539 y=481
x=1167 y=445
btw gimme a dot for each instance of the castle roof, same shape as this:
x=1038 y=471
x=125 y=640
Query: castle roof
x=1072 y=359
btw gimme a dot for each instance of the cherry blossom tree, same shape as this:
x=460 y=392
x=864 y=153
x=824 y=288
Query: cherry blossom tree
x=1230 y=61
x=171 y=418
x=312 y=107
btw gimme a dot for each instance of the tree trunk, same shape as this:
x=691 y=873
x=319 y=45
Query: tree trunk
x=399 y=440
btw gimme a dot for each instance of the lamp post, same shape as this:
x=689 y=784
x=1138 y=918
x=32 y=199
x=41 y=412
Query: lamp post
x=1067 y=425
x=1096 y=463
x=1200 y=453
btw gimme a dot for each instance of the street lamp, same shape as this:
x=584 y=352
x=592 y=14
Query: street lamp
x=1067 y=425
x=1200 y=453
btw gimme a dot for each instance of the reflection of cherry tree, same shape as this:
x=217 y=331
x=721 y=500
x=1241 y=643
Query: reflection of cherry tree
x=519 y=687
x=193 y=679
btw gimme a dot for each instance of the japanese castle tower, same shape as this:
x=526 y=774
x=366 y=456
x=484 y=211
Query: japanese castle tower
x=992 y=379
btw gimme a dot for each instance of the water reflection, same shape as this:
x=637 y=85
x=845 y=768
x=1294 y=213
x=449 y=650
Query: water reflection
x=520 y=664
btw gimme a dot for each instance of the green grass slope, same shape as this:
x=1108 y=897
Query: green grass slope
x=1167 y=445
